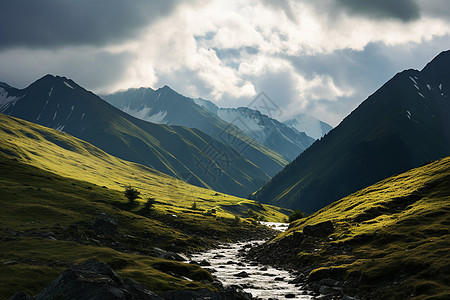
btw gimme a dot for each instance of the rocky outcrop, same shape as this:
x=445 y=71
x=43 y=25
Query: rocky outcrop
x=229 y=293
x=320 y=229
x=21 y=296
x=105 y=224
x=95 y=280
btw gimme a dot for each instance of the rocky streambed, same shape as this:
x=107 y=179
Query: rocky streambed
x=228 y=263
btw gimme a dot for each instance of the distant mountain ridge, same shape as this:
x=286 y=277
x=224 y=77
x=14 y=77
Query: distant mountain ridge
x=187 y=154
x=401 y=126
x=301 y=122
x=165 y=106
x=279 y=137
x=311 y=126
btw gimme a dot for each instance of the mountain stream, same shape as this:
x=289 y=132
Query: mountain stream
x=263 y=282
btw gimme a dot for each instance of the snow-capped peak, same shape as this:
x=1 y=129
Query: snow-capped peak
x=310 y=125
x=6 y=100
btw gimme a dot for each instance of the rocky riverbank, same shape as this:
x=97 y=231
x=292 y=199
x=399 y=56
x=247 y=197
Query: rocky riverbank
x=98 y=280
x=284 y=253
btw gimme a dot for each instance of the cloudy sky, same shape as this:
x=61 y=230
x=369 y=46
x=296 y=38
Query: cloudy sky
x=321 y=57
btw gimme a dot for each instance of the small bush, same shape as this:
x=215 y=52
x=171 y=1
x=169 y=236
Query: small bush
x=252 y=214
x=149 y=204
x=131 y=193
x=297 y=214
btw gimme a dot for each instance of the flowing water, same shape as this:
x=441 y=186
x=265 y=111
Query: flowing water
x=263 y=282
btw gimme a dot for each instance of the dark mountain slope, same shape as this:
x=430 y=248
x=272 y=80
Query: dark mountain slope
x=401 y=126
x=187 y=154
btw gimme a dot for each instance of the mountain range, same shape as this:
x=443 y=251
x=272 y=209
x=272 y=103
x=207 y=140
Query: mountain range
x=401 y=126
x=185 y=153
x=310 y=125
x=165 y=106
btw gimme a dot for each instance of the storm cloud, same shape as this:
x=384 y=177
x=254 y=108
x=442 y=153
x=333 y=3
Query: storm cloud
x=56 y=23
x=404 y=10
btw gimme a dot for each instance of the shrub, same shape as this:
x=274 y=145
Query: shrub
x=194 y=205
x=131 y=193
x=252 y=214
x=297 y=214
x=149 y=204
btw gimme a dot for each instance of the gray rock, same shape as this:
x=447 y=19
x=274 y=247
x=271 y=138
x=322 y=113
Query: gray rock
x=105 y=224
x=230 y=293
x=324 y=297
x=242 y=274
x=326 y=290
x=140 y=291
x=158 y=252
x=21 y=296
x=319 y=229
x=329 y=282
x=347 y=298
x=94 y=280
x=205 y=263
x=315 y=287
x=299 y=279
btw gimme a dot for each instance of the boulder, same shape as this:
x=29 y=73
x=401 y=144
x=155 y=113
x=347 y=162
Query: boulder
x=326 y=290
x=329 y=282
x=299 y=279
x=319 y=229
x=205 y=263
x=229 y=293
x=94 y=280
x=21 y=296
x=279 y=279
x=105 y=224
x=242 y=274
x=158 y=252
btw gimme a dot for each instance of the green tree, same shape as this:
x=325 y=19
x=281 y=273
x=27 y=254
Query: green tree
x=131 y=193
x=252 y=214
x=297 y=214
x=149 y=204
x=194 y=206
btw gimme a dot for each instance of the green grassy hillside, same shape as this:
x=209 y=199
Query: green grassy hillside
x=390 y=240
x=53 y=186
x=67 y=156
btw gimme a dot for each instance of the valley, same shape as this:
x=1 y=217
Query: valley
x=48 y=214
x=136 y=198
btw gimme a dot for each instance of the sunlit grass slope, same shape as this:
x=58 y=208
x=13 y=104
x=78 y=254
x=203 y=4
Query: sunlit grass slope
x=36 y=205
x=67 y=156
x=392 y=238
